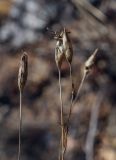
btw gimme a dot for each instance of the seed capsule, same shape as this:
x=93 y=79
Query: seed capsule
x=90 y=62
x=67 y=45
x=59 y=52
x=23 y=71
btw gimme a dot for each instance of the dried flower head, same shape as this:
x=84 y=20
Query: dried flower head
x=63 y=48
x=90 y=62
x=59 y=54
x=67 y=45
x=23 y=71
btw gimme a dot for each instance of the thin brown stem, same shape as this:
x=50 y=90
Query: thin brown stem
x=72 y=84
x=79 y=89
x=20 y=126
x=72 y=95
x=76 y=97
x=61 y=117
x=72 y=105
x=72 y=98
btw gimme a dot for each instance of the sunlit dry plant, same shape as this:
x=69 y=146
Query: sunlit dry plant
x=22 y=78
x=88 y=66
x=59 y=58
x=68 y=52
x=63 y=51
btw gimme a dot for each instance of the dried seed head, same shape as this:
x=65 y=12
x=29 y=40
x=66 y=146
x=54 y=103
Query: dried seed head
x=63 y=47
x=67 y=45
x=23 y=71
x=90 y=62
x=59 y=54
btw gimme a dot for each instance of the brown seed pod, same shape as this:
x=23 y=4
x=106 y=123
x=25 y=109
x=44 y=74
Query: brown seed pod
x=67 y=45
x=23 y=71
x=59 y=54
x=90 y=62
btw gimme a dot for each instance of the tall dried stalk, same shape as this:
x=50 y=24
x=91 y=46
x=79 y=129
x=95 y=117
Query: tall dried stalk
x=59 y=57
x=68 y=52
x=64 y=51
x=62 y=118
x=71 y=108
x=20 y=124
x=22 y=78
x=87 y=69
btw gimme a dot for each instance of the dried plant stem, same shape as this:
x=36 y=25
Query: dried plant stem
x=72 y=95
x=88 y=66
x=72 y=98
x=72 y=84
x=72 y=105
x=20 y=126
x=77 y=95
x=80 y=87
x=61 y=118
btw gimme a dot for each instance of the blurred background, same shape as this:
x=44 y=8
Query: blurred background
x=92 y=134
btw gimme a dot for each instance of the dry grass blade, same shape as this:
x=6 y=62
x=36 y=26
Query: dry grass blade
x=22 y=78
x=90 y=9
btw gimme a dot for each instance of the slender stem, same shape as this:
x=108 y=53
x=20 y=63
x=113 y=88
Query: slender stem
x=80 y=87
x=20 y=125
x=73 y=101
x=72 y=98
x=72 y=84
x=62 y=118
